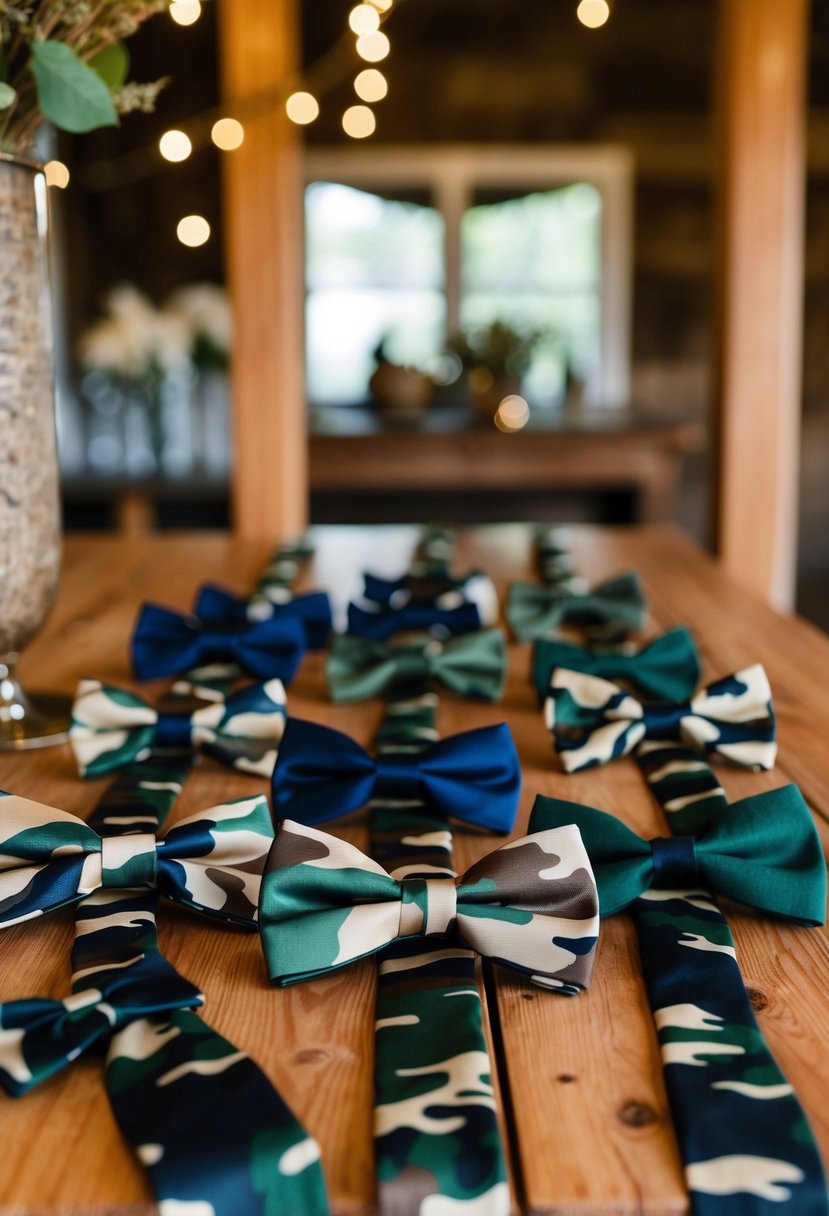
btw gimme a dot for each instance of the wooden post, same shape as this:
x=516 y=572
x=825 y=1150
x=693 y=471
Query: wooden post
x=264 y=244
x=761 y=104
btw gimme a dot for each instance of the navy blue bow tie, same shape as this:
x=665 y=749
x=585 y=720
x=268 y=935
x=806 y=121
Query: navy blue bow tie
x=321 y=773
x=167 y=643
x=381 y=623
x=217 y=606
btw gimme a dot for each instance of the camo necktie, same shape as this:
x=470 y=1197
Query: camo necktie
x=435 y=1121
x=744 y=1140
x=168 y=1074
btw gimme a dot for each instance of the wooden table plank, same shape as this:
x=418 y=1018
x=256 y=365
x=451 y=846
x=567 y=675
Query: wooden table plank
x=581 y=1079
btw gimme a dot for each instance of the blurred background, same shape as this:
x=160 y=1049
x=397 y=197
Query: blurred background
x=521 y=245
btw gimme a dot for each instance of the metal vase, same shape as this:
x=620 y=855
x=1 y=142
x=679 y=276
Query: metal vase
x=30 y=526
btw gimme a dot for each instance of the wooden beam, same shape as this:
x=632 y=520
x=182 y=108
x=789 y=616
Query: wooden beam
x=263 y=233
x=762 y=121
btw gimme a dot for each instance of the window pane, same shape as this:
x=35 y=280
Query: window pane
x=374 y=273
x=535 y=262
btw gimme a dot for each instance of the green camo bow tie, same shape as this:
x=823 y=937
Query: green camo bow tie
x=610 y=611
x=764 y=853
x=471 y=666
x=530 y=905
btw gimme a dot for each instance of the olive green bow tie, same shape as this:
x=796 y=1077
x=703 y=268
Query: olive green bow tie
x=612 y=610
x=473 y=665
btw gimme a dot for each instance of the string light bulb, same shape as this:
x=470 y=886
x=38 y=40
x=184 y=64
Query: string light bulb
x=593 y=13
x=56 y=174
x=228 y=134
x=302 y=108
x=193 y=230
x=382 y=6
x=359 y=122
x=512 y=414
x=373 y=47
x=364 y=19
x=371 y=85
x=185 y=12
x=175 y=146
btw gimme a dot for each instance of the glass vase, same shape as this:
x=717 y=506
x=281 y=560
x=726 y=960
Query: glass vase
x=30 y=529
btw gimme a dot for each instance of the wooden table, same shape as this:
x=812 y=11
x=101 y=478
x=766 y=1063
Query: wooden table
x=355 y=451
x=580 y=1079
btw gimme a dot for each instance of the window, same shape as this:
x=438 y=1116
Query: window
x=405 y=245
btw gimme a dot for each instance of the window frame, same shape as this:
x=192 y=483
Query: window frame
x=452 y=172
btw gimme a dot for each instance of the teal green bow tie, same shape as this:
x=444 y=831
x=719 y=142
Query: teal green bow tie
x=666 y=669
x=765 y=853
x=610 y=611
x=473 y=665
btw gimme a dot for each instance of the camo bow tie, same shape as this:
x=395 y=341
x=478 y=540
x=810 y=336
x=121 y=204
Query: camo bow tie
x=40 y=1037
x=211 y=861
x=667 y=669
x=594 y=721
x=381 y=623
x=471 y=666
x=167 y=643
x=112 y=728
x=531 y=906
x=436 y=590
x=609 y=612
x=322 y=773
x=765 y=853
x=216 y=606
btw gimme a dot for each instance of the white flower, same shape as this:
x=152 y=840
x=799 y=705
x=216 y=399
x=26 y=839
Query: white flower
x=205 y=308
x=134 y=336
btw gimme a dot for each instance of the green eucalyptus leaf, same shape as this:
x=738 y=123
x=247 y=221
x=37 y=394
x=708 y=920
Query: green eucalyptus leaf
x=7 y=96
x=69 y=93
x=112 y=64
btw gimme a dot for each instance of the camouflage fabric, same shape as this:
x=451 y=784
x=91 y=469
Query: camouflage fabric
x=551 y=551
x=531 y=905
x=593 y=720
x=205 y=1123
x=609 y=612
x=211 y=861
x=113 y=727
x=435 y=1119
x=744 y=1140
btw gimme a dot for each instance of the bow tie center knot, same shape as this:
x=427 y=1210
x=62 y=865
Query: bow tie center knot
x=129 y=861
x=674 y=863
x=663 y=721
x=173 y=731
x=398 y=775
x=428 y=906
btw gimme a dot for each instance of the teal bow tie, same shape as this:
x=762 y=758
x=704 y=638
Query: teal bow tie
x=473 y=665
x=765 y=853
x=610 y=611
x=112 y=728
x=667 y=669
x=594 y=721
x=530 y=905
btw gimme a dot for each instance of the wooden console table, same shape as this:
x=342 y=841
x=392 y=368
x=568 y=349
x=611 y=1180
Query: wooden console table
x=580 y=1077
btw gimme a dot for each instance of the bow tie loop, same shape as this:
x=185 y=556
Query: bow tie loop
x=764 y=853
x=531 y=906
x=167 y=643
x=428 y=907
x=211 y=862
x=593 y=720
x=321 y=773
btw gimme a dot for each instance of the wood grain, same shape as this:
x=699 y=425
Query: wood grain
x=580 y=1079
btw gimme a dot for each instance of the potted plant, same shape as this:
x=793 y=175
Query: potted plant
x=495 y=358
x=62 y=63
